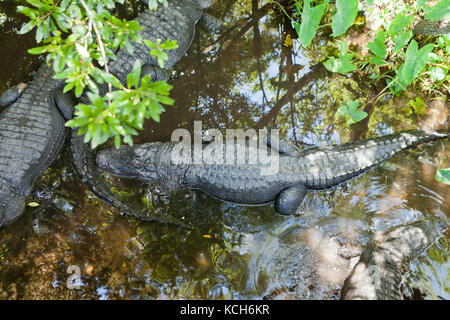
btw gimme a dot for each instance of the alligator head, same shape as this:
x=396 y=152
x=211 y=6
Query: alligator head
x=139 y=162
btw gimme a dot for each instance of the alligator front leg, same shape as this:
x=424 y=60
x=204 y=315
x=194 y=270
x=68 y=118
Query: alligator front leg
x=282 y=145
x=156 y=73
x=65 y=104
x=11 y=95
x=290 y=199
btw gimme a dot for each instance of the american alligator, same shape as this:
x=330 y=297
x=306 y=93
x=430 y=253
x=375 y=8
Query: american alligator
x=32 y=133
x=379 y=272
x=250 y=182
x=175 y=22
x=334 y=257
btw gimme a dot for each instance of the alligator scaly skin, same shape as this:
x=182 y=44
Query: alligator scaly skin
x=248 y=183
x=175 y=22
x=32 y=133
x=380 y=270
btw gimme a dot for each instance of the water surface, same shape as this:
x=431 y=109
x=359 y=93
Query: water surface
x=243 y=77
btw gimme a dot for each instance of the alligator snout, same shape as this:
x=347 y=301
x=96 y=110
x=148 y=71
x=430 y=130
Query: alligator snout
x=121 y=162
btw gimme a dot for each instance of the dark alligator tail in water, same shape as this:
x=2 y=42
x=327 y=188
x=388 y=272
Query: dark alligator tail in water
x=252 y=182
x=379 y=272
x=175 y=22
x=32 y=133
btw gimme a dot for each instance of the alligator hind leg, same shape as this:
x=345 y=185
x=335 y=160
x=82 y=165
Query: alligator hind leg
x=11 y=95
x=290 y=199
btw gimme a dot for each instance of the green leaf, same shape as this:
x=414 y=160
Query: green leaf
x=27 y=27
x=415 y=61
x=342 y=46
x=117 y=141
x=26 y=11
x=418 y=106
x=109 y=78
x=37 y=50
x=377 y=61
x=134 y=76
x=347 y=10
x=437 y=73
x=401 y=40
x=77 y=122
x=377 y=46
x=439 y=11
x=341 y=65
x=399 y=23
x=443 y=175
x=169 y=44
x=310 y=21
x=350 y=112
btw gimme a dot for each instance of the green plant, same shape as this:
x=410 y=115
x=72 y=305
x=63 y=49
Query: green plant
x=443 y=175
x=393 y=55
x=351 y=113
x=79 y=38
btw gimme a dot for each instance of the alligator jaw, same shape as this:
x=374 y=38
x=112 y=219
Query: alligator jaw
x=129 y=162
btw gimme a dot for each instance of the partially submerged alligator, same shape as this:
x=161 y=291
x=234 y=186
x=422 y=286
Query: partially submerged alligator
x=316 y=168
x=32 y=128
x=32 y=133
x=379 y=273
x=175 y=22
x=333 y=257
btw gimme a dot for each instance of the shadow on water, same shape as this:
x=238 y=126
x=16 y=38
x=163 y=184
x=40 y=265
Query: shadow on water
x=248 y=76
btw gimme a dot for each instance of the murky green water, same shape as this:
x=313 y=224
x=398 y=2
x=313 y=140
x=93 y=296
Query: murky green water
x=245 y=77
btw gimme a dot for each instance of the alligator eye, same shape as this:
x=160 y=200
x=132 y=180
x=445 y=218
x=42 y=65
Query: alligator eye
x=137 y=163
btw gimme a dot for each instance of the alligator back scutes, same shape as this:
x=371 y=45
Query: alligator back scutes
x=165 y=23
x=29 y=129
x=329 y=166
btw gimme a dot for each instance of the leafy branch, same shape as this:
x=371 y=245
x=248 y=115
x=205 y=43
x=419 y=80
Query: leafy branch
x=79 y=35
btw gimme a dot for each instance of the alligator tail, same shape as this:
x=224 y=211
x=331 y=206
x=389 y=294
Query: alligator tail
x=379 y=273
x=83 y=158
x=331 y=166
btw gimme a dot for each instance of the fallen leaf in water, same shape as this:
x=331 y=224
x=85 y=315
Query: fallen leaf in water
x=21 y=86
x=33 y=204
x=288 y=41
x=208 y=49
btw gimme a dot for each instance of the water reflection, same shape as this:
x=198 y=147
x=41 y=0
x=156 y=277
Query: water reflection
x=247 y=76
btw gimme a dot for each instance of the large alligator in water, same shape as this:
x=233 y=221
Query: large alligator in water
x=251 y=182
x=379 y=273
x=176 y=21
x=32 y=133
